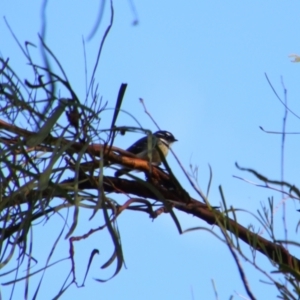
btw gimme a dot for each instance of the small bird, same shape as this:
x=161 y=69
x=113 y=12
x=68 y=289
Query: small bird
x=161 y=139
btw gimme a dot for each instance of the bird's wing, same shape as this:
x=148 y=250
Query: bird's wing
x=139 y=146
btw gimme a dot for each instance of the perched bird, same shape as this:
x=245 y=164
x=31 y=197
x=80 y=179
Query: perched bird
x=141 y=148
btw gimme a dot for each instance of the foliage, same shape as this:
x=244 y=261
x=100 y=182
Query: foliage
x=56 y=166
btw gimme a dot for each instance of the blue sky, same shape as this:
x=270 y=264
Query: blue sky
x=200 y=69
